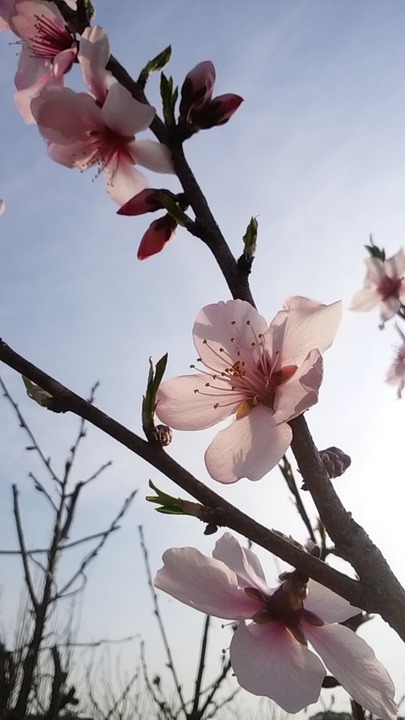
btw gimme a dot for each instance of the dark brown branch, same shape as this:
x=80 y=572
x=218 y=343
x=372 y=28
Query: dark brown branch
x=350 y=539
x=228 y=515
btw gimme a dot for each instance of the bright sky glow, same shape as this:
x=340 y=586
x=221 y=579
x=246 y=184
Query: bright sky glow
x=317 y=153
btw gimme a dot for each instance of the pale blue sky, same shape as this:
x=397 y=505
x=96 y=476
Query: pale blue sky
x=317 y=152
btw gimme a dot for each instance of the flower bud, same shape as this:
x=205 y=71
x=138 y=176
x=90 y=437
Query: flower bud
x=197 y=89
x=157 y=236
x=335 y=461
x=148 y=200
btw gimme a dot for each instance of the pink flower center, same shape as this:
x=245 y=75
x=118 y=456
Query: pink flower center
x=49 y=38
x=389 y=287
x=285 y=606
x=105 y=147
x=251 y=376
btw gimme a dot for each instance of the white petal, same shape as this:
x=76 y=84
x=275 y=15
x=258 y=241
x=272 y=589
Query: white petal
x=123 y=181
x=125 y=115
x=250 y=447
x=152 y=155
x=242 y=561
x=268 y=661
x=354 y=664
x=204 y=583
x=365 y=299
x=224 y=329
x=329 y=606
x=306 y=328
x=300 y=392
x=185 y=403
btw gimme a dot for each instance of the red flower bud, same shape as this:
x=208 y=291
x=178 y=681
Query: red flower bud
x=197 y=88
x=148 y=200
x=216 y=112
x=157 y=236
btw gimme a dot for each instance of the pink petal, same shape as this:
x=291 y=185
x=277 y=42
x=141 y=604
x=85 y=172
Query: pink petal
x=123 y=181
x=64 y=61
x=268 y=661
x=24 y=97
x=125 y=115
x=365 y=299
x=306 y=327
x=65 y=117
x=30 y=69
x=250 y=447
x=327 y=605
x=300 y=392
x=152 y=155
x=395 y=265
x=24 y=19
x=353 y=663
x=204 y=583
x=221 y=330
x=242 y=561
x=182 y=408
x=2 y=207
x=93 y=56
x=389 y=308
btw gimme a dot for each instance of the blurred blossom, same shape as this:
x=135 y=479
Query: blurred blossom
x=396 y=373
x=384 y=285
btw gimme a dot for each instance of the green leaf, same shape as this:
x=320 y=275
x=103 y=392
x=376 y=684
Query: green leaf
x=155 y=376
x=157 y=63
x=169 y=95
x=375 y=251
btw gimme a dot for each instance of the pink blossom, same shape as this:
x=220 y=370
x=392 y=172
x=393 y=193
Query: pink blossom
x=396 y=373
x=2 y=207
x=48 y=52
x=198 y=109
x=264 y=375
x=384 y=285
x=80 y=133
x=270 y=654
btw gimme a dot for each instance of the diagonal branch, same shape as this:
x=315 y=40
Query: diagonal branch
x=229 y=516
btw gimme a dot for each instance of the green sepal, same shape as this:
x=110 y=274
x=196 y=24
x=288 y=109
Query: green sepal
x=169 y=505
x=155 y=377
x=250 y=238
x=174 y=210
x=157 y=63
x=374 y=251
x=169 y=94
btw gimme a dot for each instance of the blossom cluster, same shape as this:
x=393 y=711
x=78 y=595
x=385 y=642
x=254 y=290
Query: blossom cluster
x=98 y=128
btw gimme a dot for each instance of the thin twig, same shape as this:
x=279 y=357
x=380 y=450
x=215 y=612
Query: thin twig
x=159 y=619
x=23 y=550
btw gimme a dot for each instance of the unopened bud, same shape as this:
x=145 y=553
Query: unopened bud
x=335 y=461
x=163 y=435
